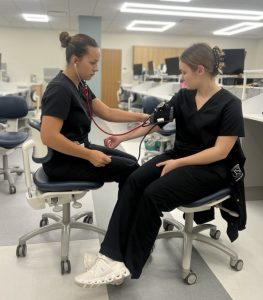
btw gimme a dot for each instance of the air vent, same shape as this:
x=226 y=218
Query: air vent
x=55 y=13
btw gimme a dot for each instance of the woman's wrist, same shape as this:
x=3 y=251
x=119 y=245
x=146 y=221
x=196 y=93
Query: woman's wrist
x=143 y=117
x=179 y=162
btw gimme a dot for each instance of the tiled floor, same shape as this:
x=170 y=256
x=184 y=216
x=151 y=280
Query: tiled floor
x=38 y=276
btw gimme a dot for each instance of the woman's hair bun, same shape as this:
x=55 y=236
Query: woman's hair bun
x=64 y=38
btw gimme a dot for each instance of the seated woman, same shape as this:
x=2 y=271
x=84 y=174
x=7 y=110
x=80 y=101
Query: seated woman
x=208 y=123
x=67 y=108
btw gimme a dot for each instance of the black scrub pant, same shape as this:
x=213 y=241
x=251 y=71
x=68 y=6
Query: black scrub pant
x=136 y=218
x=64 y=167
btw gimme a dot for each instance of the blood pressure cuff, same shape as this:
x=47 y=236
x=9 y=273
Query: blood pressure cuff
x=162 y=114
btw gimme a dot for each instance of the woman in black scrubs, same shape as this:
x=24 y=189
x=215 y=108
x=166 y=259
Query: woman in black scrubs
x=66 y=120
x=208 y=123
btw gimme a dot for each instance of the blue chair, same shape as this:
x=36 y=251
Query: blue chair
x=157 y=143
x=56 y=194
x=189 y=233
x=12 y=108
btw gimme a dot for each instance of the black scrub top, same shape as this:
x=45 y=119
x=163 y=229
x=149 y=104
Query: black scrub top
x=62 y=99
x=197 y=130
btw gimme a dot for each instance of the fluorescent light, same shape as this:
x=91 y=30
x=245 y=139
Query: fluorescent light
x=156 y=26
x=35 y=18
x=240 y=27
x=177 y=0
x=185 y=11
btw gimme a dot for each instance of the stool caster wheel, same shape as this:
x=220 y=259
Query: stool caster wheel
x=215 y=234
x=43 y=222
x=65 y=266
x=88 y=219
x=168 y=226
x=190 y=278
x=21 y=250
x=237 y=264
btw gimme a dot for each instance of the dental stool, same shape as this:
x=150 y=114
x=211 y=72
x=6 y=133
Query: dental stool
x=56 y=194
x=12 y=108
x=189 y=233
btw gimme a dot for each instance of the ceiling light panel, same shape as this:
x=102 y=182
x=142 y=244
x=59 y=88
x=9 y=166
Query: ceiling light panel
x=153 y=26
x=35 y=18
x=238 y=28
x=185 y=11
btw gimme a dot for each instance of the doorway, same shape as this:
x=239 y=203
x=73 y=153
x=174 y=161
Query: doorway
x=110 y=76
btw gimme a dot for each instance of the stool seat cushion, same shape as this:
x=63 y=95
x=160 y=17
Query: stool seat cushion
x=211 y=198
x=10 y=140
x=44 y=184
x=168 y=129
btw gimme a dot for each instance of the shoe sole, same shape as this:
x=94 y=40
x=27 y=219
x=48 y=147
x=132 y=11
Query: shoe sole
x=115 y=279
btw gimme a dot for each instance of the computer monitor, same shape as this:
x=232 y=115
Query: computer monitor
x=172 y=66
x=150 y=70
x=137 y=69
x=234 y=61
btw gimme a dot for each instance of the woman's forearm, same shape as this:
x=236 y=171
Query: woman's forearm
x=118 y=115
x=141 y=131
x=204 y=157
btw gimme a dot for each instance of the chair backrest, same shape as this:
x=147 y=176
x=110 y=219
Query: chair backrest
x=123 y=95
x=149 y=103
x=12 y=108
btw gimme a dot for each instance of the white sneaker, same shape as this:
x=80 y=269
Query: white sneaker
x=89 y=262
x=104 y=271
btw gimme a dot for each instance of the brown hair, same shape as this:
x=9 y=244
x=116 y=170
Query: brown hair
x=202 y=54
x=77 y=44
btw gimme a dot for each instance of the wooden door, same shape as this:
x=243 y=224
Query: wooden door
x=110 y=76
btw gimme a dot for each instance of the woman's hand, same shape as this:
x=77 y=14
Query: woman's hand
x=112 y=141
x=168 y=165
x=98 y=158
x=144 y=117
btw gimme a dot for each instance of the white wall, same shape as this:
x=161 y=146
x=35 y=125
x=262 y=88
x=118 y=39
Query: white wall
x=28 y=51
x=259 y=56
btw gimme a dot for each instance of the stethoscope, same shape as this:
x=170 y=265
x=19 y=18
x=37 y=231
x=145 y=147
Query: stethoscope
x=85 y=91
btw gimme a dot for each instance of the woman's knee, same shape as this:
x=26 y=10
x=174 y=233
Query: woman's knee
x=133 y=180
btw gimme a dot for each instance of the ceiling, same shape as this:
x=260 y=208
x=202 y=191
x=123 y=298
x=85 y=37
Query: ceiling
x=64 y=15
